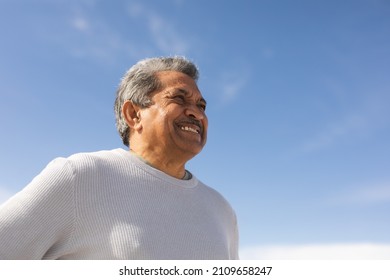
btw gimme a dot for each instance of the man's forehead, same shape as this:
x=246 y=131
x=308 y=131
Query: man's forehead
x=174 y=81
x=174 y=77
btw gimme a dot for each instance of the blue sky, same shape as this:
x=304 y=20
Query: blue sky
x=298 y=95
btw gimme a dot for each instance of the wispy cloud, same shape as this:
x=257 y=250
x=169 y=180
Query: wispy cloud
x=81 y=24
x=232 y=88
x=146 y=31
x=232 y=83
x=336 y=131
x=93 y=38
x=162 y=31
x=88 y=35
x=337 y=251
x=166 y=37
x=364 y=120
x=370 y=194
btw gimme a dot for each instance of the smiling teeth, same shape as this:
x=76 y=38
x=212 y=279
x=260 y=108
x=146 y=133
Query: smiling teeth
x=186 y=128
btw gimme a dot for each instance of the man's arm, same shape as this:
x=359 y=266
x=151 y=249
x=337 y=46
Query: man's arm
x=40 y=216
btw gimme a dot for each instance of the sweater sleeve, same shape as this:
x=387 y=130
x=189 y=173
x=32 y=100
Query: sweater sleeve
x=39 y=218
x=235 y=241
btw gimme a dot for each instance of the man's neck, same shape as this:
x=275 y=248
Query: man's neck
x=164 y=164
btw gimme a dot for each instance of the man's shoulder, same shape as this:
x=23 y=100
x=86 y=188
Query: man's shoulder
x=96 y=159
x=215 y=195
x=102 y=155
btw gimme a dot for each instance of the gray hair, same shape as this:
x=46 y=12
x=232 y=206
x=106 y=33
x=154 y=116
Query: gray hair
x=141 y=80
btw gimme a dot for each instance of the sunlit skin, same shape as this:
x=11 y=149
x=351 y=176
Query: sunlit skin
x=173 y=129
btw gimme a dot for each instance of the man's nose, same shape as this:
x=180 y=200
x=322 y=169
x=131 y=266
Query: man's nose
x=195 y=112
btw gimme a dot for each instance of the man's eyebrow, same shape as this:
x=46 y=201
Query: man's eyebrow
x=185 y=92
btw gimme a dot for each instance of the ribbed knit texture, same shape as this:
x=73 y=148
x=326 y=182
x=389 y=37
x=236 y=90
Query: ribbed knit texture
x=111 y=205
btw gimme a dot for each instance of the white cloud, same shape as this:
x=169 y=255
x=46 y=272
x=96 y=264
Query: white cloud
x=337 y=251
x=162 y=31
x=335 y=131
x=166 y=37
x=233 y=88
x=135 y=10
x=232 y=83
x=89 y=37
x=374 y=193
x=370 y=116
x=81 y=24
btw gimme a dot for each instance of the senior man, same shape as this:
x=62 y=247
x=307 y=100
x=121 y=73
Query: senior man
x=139 y=203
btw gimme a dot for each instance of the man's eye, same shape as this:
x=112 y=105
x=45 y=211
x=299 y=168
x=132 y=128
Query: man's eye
x=179 y=97
x=202 y=106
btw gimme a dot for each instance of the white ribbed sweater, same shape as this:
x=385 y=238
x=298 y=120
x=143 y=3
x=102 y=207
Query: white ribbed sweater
x=111 y=205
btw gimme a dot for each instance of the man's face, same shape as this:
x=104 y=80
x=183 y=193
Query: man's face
x=176 y=123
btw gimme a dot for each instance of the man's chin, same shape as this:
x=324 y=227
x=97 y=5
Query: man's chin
x=191 y=150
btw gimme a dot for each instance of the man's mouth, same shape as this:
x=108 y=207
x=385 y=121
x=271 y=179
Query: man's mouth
x=190 y=128
x=193 y=126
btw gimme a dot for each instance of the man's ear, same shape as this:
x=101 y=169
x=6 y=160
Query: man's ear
x=131 y=114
